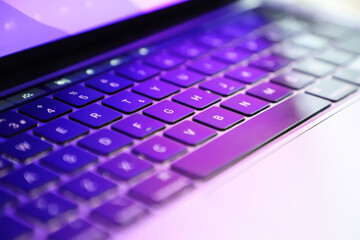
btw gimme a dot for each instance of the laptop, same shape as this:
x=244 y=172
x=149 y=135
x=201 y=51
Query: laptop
x=174 y=119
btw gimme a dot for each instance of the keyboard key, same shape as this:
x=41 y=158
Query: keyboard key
x=6 y=198
x=293 y=80
x=95 y=116
x=137 y=71
x=5 y=105
x=168 y=111
x=190 y=133
x=222 y=86
x=5 y=164
x=315 y=67
x=331 y=89
x=349 y=75
x=271 y=63
x=292 y=51
x=330 y=30
x=212 y=39
x=138 y=126
x=255 y=45
x=13 y=229
x=125 y=167
x=156 y=89
x=247 y=74
x=88 y=186
x=196 y=98
x=45 y=109
x=127 y=102
x=231 y=55
x=29 y=177
x=245 y=104
x=269 y=92
x=78 y=96
x=25 y=96
x=252 y=134
x=47 y=207
x=182 y=77
x=105 y=142
x=119 y=211
x=12 y=123
x=68 y=159
x=23 y=147
x=207 y=66
x=61 y=130
x=218 y=118
x=108 y=83
x=160 y=188
x=350 y=45
x=335 y=56
x=310 y=41
x=163 y=60
x=159 y=149
x=189 y=49
x=235 y=30
x=79 y=229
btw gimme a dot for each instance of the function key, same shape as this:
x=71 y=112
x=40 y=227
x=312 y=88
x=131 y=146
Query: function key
x=255 y=44
x=331 y=89
x=137 y=71
x=231 y=55
x=168 y=111
x=245 y=104
x=349 y=75
x=160 y=188
x=47 y=207
x=163 y=60
x=12 y=123
x=269 y=92
x=189 y=49
x=68 y=159
x=196 y=98
x=79 y=229
x=88 y=186
x=218 y=118
x=335 y=56
x=127 y=102
x=222 y=86
x=119 y=211
x=26 y=96
x=293 y=80
x=155 y=89
x=207 y=66
x=61 y=130
x=182 y=77
x=315 y=67
x=271 y=63
x=105 y=142
x=125 y=167
x=6 y=198
x=78 y=96
x=29 y=177
x=95 y=116
x=23 y=147
x=13 y=229
x=138 y=126
x=159 y=149
x=108 y=83
x=45 y=109
x=190 y=133
x=247 y=74
x=5 y=105
x=5 y=164
x=310 y=41
x=212 y=39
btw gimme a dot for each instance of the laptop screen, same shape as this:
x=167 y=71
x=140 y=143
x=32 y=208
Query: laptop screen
x=31 y=23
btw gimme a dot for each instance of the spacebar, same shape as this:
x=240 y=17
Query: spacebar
x=247 y=137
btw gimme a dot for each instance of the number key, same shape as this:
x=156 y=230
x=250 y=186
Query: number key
x=78 y=96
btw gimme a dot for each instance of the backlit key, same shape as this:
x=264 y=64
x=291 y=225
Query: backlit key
x=160 y=188
x=222 y=86
x=164 y=60
x=271 y=63
x=293 y=80
x=182 y=77
x=212 y=39
x=108 y=83
x=78 y=96
x=231 y=55
x=207 y=66
x=245 y=104
x=247 y=74
x=168 y=111
x=315 y=67
x=137 y=71
x=127 y=102
x=159 y=149
x=255 y=45
x=190 y=133
x=189 y=49
x=269 y=92
x=196 y=98
x=218 y=118
x=12 y=123
x=156 y=89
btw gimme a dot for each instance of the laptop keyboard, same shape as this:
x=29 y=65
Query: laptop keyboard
x=91 y=158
